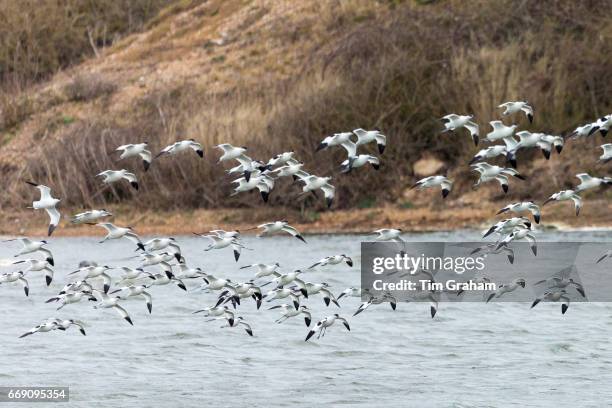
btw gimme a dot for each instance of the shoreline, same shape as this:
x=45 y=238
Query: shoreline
x=356 y=221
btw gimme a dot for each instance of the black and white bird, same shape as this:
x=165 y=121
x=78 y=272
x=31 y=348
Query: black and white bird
x=368 y=136
x=132 y=150
x=263 y=269
x=47 y=203
x=159 y=244
x=561 y=282
x=519 y=232
x=377 y=300
x=455 y=122
x=181 y=146
x=353 y=292
x=361 y=160
x=333 y=260
x=270 y=228
x=166 y=278
x=111 y=302
x=522 y=207
x=607 y=153
x=239 y=322
x=288 y=311
x=500 y=131
x=506 y=226
x=511 y=108
x=494 y=248
x=95 y=271
x=335 y=140
x=113 y=176
x=489 y=172
x=323 y=324
x=445 y=184
x=588 y=182
x=282 y=293
x=91 y=216
x=313 y=183
x=280 y=159
x=72 y=297
x=257 y=180
x=582 y=131
x=489 y=153
x=13 y=277
x=602 y=124
x=115 y=232
x=388 y=234
x=564 y=195
x=224 y=241
x=37 y=265
x=554 y=296
x=29 y=246
x=230 y=152
x=136 y=291
x=507 y=288
x=65 y=324
x=44 y=327
x=290 y=169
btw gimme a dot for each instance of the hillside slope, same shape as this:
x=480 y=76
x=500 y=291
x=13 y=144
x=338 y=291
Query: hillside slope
x=280 y=75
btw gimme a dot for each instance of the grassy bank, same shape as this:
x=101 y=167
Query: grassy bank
x=279 y=76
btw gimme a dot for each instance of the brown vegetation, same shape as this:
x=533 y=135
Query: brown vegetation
x=280 y=75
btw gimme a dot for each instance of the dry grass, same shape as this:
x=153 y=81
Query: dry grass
x=393 y=65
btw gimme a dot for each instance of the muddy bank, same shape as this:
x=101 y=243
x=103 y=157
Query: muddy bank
x=595 y=214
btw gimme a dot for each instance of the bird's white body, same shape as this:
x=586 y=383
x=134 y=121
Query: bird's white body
x=517 y=106
x=90 y=216
x=500 y=131
x=230 y=152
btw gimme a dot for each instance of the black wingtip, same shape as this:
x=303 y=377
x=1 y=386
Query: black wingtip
x=321 y=146
x=564 y=308
x=308 y=336
x=546 y=154
x=329 y=202
x=106 y=288
x=530 y=117
x=51 y=229
x=381 y=148
x=559 y=149
x=236 y=255
x=48 y=279
x=134 y=184
x=475 y=138
x=301 y=238
x=445 y=193
x=433 y=311
x=127 y=318
x=146 y=165
x=200 y=153
x=149 y=307
x=505 y=188
x=140 y=246
x=536 y=218
x=264 y=196
x=26 y=290
x=50 y=261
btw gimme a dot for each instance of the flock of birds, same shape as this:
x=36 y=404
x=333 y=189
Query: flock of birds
x=96 y=283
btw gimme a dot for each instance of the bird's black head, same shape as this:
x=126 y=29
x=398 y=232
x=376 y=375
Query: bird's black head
x=44 y=241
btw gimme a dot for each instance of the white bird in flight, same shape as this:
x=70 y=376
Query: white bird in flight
x=29 y=246
x=113 y=176
x=181 y=146
x=47 y=203
x=131 y=150
x=445 y=184
x=270 y=228
x=517 y=106
x=454 y=122
x=90 y=216
x=523 y=206
x=566 y=195
x=115 y=232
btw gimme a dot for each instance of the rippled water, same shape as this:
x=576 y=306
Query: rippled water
x=471 y=354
